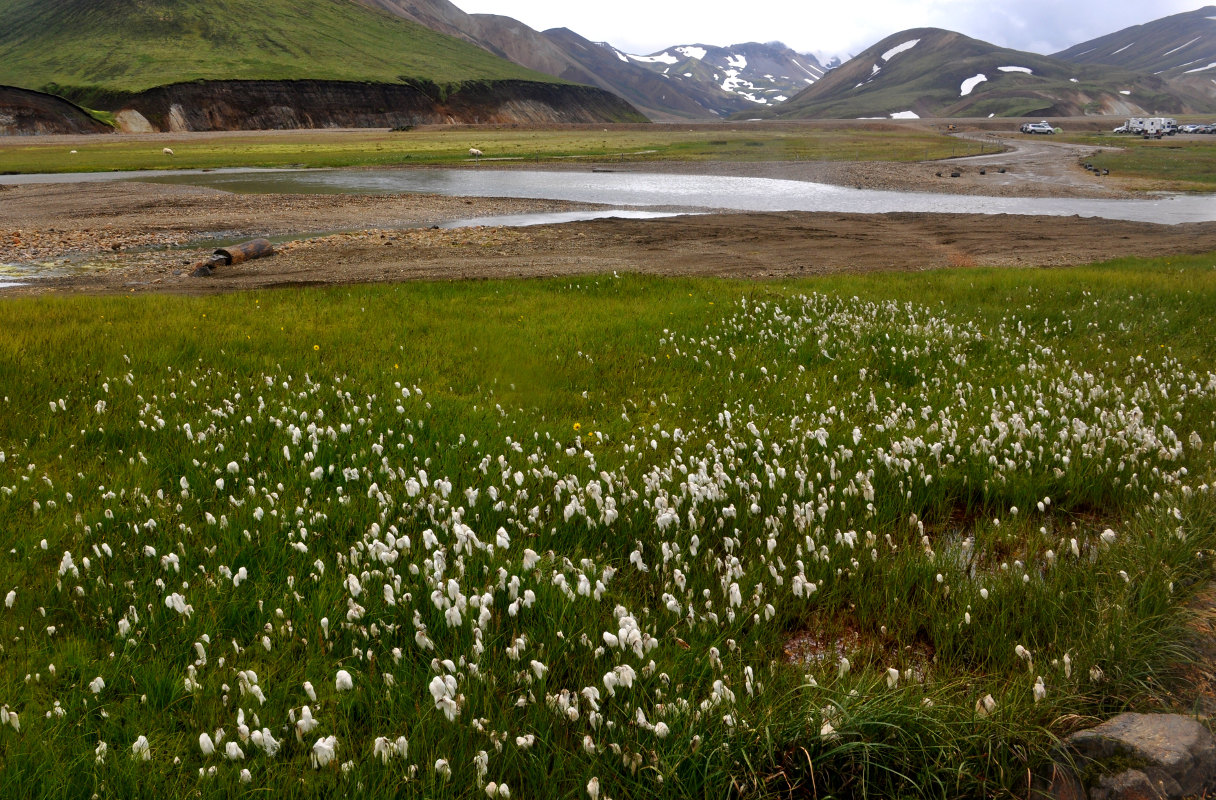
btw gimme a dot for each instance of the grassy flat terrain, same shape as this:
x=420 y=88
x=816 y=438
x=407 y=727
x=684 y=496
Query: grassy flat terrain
x=88 y=48
x=447 y=145
x=882 y=535
x=1171 y=164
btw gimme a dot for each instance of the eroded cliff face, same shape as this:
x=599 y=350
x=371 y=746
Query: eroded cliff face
x=261 y=105
x=26 y=113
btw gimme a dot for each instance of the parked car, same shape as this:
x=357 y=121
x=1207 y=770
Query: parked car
x=1038 y=127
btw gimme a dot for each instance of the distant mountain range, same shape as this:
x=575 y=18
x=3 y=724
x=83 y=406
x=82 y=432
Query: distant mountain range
x=685 y=81
x=928 y=72
x=424 y=53
x=1165 y=66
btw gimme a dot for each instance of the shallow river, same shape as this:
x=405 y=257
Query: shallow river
x=639 y=189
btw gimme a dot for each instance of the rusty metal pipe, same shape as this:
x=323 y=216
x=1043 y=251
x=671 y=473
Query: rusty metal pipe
x=234 y=254
x=246 y=251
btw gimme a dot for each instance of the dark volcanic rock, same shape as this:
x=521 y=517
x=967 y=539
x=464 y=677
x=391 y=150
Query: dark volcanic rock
x=24 y=112
x=260 y=105
x=1133 y=756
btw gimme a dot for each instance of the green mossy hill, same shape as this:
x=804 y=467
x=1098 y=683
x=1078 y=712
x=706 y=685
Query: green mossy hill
x=75 y=47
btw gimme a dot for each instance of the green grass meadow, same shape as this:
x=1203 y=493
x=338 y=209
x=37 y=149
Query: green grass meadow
x=866 y=536
x=1172 y=164
x=451 y=145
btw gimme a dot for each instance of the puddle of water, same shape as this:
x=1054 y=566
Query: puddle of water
x=10 y=284
x=16 y=274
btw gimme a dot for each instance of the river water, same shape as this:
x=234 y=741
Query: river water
x=641 y=189
x=699 y=192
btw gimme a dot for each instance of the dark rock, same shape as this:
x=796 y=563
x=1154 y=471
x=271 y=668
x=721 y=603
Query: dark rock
x=24 y=112
x=1133 y=756
x=1133 y=784
x=254 y=105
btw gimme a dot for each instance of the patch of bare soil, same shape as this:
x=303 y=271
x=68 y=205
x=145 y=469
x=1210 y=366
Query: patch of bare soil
x=112 y=224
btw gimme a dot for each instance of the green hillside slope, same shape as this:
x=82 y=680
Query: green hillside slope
x=123 y=46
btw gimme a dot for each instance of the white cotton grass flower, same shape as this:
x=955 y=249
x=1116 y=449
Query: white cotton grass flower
x=10 y=598
x=140 y=750
x=985 y=705
x=343 y=682
x=1108 y=537
x=233 y=752
x=205 y=744
x=246 y=776
x=99 y=755
x=443 y=769
x=324 y=751
x=593 y=788
x=1040 y=689
x=310 y=691
x=305 y=724
x=443 y=691
x=97 y=685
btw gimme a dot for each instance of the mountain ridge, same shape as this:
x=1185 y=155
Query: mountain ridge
x=934 y=72
x=694 y=88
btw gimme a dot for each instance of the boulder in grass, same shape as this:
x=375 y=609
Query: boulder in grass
x=1135 y=757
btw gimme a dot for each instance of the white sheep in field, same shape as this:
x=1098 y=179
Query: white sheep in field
x=475 y=153
x=168 y=151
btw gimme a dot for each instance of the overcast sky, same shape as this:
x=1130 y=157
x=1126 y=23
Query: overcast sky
x=645 y=26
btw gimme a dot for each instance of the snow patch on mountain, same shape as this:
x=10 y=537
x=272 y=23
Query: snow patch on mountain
x=971 y=83
x=905 y=115
x=692 y=51
x=661 y=58
x=1176 y=49
x=894 y=51
x=736 y=61
x=815 y=74
x=1027 y=70
x=1202 y=69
